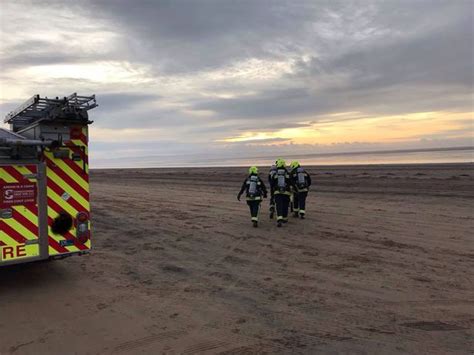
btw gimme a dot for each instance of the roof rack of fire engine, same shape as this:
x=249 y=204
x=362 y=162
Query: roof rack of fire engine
x=72 y=107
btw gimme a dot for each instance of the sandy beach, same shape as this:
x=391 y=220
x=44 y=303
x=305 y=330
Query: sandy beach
x=382 y=264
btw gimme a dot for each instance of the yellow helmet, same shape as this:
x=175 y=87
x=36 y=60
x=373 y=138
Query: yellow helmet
x=295 y=164
x=253 y=170
x=280 y=163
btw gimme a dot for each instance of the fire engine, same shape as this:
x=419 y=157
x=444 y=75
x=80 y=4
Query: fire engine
x=44 y=180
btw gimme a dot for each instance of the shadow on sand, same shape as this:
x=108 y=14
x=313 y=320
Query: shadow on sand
x=31 y=276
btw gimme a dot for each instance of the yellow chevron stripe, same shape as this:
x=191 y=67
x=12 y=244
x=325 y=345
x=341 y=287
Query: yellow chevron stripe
x=69 y=189
x=70 y=249
x=58 y=238
x=78 y=142
x=4 y=238
x=23 y=170
x=85 y=130
x=68 y=171
x=80 y=164
x=20 y=229
x=27 y=214
x=63 y=204
x=7 y=177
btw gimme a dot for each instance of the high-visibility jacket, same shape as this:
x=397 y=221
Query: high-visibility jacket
x=254 y=188
x=281 y=182
x=301 y=179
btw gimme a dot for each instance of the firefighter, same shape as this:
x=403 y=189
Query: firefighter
x=273 y=170
x=301 y=182
x=256 y=191
x=281 y=186
x=294 y=194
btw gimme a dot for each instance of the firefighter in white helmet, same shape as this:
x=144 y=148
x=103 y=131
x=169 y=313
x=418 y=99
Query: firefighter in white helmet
x=256 y=191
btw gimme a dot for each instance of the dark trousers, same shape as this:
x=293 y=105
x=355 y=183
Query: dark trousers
x=254 y=208
x=300 y=201
x=282 y=203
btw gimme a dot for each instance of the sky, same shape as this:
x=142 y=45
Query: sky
x=182 y=82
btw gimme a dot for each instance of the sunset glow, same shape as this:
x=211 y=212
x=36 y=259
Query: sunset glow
x=370 y=129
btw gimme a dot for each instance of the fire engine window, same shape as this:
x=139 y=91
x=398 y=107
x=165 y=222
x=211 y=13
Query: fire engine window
x=62 y=223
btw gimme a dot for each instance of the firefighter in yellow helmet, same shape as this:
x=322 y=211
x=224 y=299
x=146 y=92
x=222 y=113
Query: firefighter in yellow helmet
x=281 y=187
x=301 y=181
x=256 y=191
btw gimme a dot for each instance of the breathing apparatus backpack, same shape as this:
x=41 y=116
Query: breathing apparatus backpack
x=301 y=176
x=252 y=189
x=273 y=171
x=281 y=180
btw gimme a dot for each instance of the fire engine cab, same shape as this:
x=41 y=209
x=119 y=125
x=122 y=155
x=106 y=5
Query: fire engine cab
x=44 y=180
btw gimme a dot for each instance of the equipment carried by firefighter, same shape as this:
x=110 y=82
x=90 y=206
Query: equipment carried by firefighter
x=252 y=189
x=301 y=176
x=44 y=180
x=281 y=179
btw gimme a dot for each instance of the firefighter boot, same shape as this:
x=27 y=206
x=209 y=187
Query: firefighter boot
x=255 y=222
x=279 y=221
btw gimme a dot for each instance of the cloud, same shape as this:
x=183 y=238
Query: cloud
x=187 y=36
x=195 y=73
x=119 y=101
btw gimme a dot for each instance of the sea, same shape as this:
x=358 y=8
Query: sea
x=412 y=156
x=420 y=156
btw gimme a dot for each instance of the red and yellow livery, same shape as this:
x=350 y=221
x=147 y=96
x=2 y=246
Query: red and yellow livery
x=44 y=180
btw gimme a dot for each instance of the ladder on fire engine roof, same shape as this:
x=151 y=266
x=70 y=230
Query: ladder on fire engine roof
x=38 y=108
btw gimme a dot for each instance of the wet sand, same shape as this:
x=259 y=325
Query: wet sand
x=382 y=264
